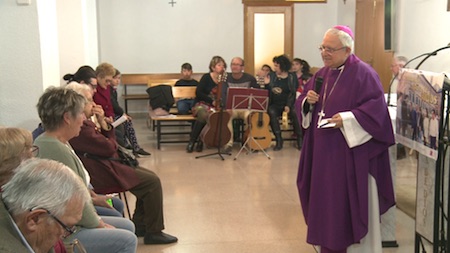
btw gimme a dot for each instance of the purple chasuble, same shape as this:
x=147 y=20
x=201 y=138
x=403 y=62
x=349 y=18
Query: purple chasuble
x=333 y=178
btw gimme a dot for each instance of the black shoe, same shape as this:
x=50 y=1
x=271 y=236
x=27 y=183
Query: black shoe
x=159 y=238
x=199 y=147
x=278 y=141
x=141 y=152
x=190 y=147
x=299 y=143
x=278 y=146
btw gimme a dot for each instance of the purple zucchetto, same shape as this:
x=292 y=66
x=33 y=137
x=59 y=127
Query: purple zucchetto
x=345 y=29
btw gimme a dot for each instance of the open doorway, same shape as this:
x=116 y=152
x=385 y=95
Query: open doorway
x=268 y=31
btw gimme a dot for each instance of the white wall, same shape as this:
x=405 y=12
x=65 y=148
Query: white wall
x=77 y=35
x=20 y=64
x=48 y=42
x=139 y=36
x=70 y=36
x=41 y=42
x=423 y=26
x=311 y=22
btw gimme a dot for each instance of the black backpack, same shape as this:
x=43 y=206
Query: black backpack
x=161 y=97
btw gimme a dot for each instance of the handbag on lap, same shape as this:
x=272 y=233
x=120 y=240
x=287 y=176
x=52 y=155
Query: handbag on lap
x=125 y=157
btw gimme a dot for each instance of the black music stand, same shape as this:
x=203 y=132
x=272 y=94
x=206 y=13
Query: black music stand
x=219 y=152
x=254 y=100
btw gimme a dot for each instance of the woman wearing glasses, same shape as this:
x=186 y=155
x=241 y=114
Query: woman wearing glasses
x=84 y=75
x=62 y=114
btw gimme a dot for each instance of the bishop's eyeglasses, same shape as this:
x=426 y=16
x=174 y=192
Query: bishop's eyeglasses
x=329 y=50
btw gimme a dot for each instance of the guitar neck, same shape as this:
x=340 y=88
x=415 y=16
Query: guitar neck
x=219 y=95
x=221 y=79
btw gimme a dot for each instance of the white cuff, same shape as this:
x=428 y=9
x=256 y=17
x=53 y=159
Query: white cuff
x=353 y=132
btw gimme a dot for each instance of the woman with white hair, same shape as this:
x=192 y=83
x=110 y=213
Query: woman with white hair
x=62 y=114
x=96 y=147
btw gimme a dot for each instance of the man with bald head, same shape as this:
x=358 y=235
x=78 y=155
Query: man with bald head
x=237 y=79
x=398 y=62
x=344 y=178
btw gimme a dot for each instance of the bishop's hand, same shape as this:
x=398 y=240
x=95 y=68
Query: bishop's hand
x=312 y=97
x=337 y=119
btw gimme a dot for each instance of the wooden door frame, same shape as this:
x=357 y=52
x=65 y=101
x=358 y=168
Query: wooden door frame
x=249 y=30
x=369 y=39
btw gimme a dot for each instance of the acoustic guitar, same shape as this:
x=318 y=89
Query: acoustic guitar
x=259 y=130
x=216 y=132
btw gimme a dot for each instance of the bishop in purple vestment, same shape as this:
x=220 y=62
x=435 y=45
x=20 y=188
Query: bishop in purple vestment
x=348 y=133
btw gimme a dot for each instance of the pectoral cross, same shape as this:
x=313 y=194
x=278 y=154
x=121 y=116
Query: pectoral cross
x=321 y=115
x=172 y=2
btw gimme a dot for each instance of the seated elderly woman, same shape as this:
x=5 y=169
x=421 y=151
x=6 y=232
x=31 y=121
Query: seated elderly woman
x=62 y=114
x=16 y=145
x=39 y=205
x=111 y=175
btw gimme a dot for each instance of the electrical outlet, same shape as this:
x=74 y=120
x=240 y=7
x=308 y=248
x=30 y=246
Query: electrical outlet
x=23 y=2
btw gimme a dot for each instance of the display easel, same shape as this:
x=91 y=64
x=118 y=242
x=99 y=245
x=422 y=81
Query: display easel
x=440 y=238
x=254 y=100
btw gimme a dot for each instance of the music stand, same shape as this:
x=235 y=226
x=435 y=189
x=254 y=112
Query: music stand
x=255 y=100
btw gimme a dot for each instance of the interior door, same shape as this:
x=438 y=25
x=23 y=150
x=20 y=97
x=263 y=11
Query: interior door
x=268 y=31
x=369 y=38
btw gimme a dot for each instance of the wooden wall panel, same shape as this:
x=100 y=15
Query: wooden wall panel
x=369 y=38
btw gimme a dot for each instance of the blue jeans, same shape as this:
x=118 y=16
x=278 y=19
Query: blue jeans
x=120 y=239
x=184 y=106
x=116 y=211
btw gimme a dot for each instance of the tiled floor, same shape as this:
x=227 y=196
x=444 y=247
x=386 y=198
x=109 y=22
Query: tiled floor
x=248 y=205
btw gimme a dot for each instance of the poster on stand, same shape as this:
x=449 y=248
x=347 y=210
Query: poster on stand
x=419 y=96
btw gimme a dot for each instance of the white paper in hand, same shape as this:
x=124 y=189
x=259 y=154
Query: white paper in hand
x=324 y=123
x=119 y=121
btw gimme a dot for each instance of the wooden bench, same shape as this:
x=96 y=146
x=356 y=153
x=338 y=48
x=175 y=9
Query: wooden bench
x=143 y=80
x=173 y=120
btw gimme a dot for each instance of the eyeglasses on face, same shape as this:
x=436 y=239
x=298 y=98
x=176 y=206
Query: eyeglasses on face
x=68 y=230
x=329 y=50
x=35 y=151
x=94 y=86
